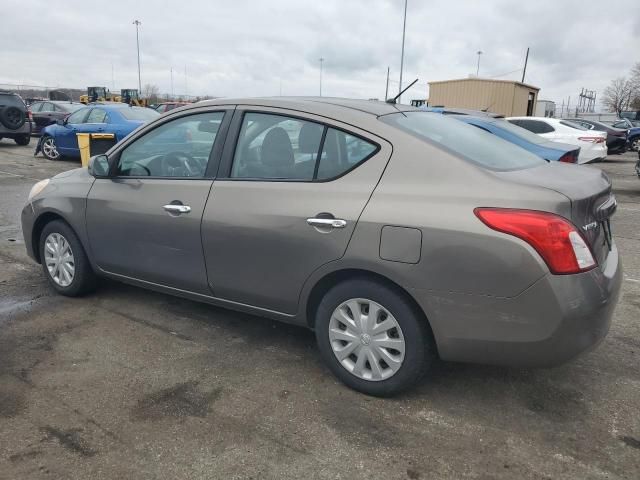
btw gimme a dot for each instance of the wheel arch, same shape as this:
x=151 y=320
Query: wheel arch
x=42 y=221
x=323 y=284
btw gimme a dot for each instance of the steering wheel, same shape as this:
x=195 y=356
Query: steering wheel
x=180 y=164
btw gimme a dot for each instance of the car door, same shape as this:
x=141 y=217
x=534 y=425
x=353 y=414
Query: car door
x=96 y=121
x=38 y=119
x=278 y=209
x=66 y=140
x=144 y=221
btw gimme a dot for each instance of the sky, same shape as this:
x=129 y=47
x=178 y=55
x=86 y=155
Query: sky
x=266 y=48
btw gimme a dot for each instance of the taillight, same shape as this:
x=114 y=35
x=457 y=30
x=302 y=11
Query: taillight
x=592 y=139
x=29 y=114
x=568 y=157
x=557 y=240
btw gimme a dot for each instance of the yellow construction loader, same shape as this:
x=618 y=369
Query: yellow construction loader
x=99 y=94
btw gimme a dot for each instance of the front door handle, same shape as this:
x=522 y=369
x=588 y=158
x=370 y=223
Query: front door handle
x=327 y=222
x=177 y=209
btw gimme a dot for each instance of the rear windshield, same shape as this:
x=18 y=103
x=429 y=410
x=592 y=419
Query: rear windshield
x=138 y=113
x=472 y=143
x=569 y=123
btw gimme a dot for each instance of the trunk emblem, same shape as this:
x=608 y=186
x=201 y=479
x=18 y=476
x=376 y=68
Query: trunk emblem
x=590 y=226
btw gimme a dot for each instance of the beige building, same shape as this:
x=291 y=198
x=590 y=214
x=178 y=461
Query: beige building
x=506 y=97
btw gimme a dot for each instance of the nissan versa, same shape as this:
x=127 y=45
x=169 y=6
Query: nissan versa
x=398 y=235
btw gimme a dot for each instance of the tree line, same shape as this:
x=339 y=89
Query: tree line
x=623 y=93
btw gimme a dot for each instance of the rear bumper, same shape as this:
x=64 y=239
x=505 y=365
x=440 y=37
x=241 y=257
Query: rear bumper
x=591 y=153
x=23 y=130
x=551 y=322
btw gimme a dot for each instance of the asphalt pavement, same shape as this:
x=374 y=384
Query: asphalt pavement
x=131 y=384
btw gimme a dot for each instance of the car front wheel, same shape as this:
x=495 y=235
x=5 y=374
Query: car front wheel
x=49 y=148
x=635 y=144
x=64 y=261
x=372 y=338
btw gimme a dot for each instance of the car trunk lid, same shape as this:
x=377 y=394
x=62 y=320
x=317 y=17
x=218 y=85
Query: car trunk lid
x=587 y=189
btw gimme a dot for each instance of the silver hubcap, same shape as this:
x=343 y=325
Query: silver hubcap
x=366 y=339
x=636 y=144
x=49 y=148
x=59 y=259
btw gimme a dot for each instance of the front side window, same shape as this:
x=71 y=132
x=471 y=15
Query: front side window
x=35 y=107
x=78 y=116
x=179 y=148
x=277 y=147
x=97 y=115
x=471 y=143
x=46 y=107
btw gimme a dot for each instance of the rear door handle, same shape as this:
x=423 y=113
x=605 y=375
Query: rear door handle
x=327 y=222
x=177 y=209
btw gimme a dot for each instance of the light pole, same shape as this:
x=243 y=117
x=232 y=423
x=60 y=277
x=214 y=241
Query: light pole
x=321 y=61
x=404 y=28
x=479 y=52
x=137 y=23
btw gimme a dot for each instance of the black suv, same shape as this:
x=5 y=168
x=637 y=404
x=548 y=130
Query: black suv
x=14 y=118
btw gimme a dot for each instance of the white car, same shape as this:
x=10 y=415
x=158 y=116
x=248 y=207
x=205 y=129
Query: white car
x=593 y=144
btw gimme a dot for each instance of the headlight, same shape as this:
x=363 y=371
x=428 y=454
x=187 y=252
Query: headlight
x=37 y=188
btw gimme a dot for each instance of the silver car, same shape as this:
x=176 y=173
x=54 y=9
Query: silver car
x=398 y=235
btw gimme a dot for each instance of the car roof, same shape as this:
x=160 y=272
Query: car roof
x=332 y=104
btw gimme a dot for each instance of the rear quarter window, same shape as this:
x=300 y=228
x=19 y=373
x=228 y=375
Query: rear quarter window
x=467 y=141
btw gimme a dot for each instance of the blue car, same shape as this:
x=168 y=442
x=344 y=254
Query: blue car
x=60 y=139
x=493 y=123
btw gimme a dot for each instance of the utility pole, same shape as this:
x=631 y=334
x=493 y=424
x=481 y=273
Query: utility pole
x=321 y=61
x=386 y=90
x=524 y=70
x=172 y=97
x=404 y=29
x=479 y=52
x=137 y=23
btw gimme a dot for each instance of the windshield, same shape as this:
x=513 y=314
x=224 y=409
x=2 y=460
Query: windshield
x=139 y=113
x=472 y=143
x=520 y=132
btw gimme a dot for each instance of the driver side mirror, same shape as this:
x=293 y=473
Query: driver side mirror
x=99 y=166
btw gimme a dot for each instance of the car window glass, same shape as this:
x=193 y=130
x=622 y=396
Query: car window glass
x=179 y=148
x=276 y=147
x=341 y=152
x=97 y=115
x=519 y=131
x=35 y=107
x=78 y=116
x=469 y=142
x=47 y=107
x=576 y=125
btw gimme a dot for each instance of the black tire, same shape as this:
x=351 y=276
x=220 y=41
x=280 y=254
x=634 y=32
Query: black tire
x=419 y=350
x=634 y=144
x=84 y=279
x=23 y=140
x=12 y=117
x=45 y=151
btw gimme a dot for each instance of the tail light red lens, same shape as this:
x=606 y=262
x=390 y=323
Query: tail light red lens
x=29 y=113
x=568 y=157
x=592 y=139
x=557 y=240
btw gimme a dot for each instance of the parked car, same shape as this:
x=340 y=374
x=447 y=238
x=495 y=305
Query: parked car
x=49 y=111
x=396 y=234
x=592 y=144
x=15 y=118
x=60 y=139
x=616 y=137
x=494 y=123
x=166 y=106
x=633 y=132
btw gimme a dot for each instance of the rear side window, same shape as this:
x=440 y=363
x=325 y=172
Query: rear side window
x=473 y=144
x=36 y=107
x=278 y=147
x=535 y=126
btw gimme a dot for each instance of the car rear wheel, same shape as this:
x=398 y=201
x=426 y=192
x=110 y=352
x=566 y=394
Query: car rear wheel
x=23 y=140
x=372 y=338
x=64 y=261
x=49 y=148
x=635 y=144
